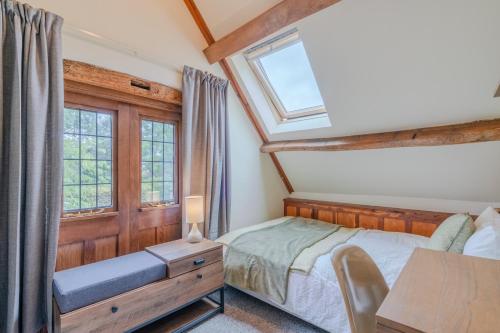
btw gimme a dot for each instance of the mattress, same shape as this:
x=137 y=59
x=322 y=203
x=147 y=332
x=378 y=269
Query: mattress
x=316 y=297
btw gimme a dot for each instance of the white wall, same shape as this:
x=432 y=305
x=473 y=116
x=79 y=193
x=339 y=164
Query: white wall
x=165 y=32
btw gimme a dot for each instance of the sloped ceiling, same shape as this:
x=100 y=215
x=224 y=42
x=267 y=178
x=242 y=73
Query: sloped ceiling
x=385 y=65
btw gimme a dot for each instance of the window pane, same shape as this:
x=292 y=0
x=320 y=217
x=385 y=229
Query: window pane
x=71 y=197
x=89 y=174
x=71 y=146
x=158 y=171
x=158 y=194
x=104 y=149
x=157 y=161
x=88 y=147
x=89 y=122
x=146 y=192
x=71 y=121
x=147 y=171
x=147 y=151
x=157 y=131
x=88 y=154
x=89 y=196
x=157 y=151
x=147 y=130
x=104 y=195
x=169 y=133
x=104 y=172
x=71 y=172
x=169 y=191
x=104 y=124
x=168 y=171
x=169 y=152
x=291 y=77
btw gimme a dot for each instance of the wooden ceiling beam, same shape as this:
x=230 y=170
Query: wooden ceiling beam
x=205 y=31
x=280 y=16
x=80 y=72
x=477 y=131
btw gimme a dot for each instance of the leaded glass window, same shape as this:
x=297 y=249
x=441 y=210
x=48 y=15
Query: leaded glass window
x=157 y=162
x=88 y=160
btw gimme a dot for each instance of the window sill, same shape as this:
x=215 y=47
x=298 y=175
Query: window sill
x=88 y=217
x=147 y=209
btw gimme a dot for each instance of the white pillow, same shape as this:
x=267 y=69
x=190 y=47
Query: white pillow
x=484 y=242
x=488 y=216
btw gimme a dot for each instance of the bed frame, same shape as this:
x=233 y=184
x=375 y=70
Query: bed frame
x=417 y=222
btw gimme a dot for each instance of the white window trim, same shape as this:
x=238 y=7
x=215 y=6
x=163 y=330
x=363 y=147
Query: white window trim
x=254 y=54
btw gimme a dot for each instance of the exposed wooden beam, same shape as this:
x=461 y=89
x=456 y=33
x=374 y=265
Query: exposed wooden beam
x=280 y=16
x=80 y=72
x=477 y=131
x=200 y=22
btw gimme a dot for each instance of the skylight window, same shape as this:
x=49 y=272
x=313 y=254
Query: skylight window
x=284 y=71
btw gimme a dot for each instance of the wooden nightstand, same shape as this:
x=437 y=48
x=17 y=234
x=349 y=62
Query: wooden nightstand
x=185 y=260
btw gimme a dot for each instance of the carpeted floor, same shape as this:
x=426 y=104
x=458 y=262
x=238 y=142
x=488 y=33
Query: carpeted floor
x=245 y=314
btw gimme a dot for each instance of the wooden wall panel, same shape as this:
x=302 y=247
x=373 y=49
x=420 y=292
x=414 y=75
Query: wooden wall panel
x=168 y=233
x=346 y=219
x=326 y=215
x=369 y=217
x=422 y=228
x=368 y=222
x=106 y=248
x=147 y=237
x=305 y=212
x=290 y=211
x=391 y=224
x=69 y=255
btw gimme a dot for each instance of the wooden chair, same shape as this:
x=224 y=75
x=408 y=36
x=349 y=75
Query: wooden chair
x=363 y=287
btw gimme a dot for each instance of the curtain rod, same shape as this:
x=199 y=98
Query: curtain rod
x=109 y=43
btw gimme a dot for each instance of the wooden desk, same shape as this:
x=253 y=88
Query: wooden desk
x=443 y=292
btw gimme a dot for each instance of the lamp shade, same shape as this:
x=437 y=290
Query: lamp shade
x=194 y=209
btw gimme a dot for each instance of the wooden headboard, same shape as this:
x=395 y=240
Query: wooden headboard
x=417 y=222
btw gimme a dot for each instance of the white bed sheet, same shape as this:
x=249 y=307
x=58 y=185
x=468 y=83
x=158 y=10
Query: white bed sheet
x=316 y=297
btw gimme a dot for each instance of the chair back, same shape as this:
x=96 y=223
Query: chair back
x=363 y=287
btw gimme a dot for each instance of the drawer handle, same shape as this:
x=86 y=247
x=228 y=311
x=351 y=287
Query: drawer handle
x=114 y=309
x=198 y=262
x=199 y=276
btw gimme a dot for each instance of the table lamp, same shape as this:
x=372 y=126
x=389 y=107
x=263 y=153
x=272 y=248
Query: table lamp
x=194 y=215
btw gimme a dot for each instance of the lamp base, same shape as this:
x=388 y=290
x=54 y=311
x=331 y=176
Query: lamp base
x=194 y=235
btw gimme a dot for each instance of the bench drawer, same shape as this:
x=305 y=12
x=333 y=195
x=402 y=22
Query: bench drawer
x=128 y=310
x=184 y=265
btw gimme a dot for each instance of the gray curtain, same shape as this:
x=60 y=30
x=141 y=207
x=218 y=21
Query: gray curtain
x=206 y=146
x=31 y=121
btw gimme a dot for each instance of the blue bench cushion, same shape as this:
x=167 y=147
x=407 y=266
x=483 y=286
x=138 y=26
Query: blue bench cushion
x=88 y=284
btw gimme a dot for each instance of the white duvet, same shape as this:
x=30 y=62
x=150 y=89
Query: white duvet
x=316 y=297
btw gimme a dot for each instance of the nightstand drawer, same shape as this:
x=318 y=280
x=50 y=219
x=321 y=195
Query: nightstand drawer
x=187 y=264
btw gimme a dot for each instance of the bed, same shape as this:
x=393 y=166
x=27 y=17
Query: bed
x=316 y=297
x=309 y=295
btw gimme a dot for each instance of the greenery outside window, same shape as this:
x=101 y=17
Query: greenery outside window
x=157 y=162
x=88 y=161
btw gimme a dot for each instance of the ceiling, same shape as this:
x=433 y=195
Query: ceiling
x=384 y=65
x=388 y=64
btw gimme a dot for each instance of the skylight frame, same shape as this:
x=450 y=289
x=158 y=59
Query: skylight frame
x=253 y=56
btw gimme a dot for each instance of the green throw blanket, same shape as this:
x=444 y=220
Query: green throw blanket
x=260 y=260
